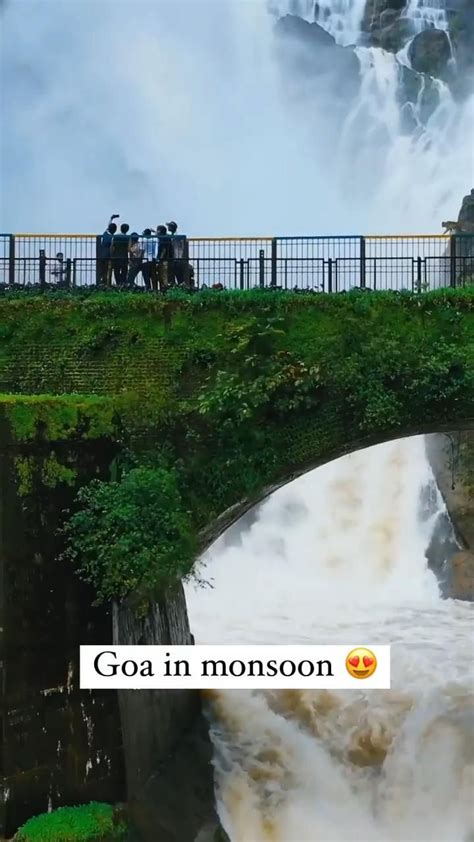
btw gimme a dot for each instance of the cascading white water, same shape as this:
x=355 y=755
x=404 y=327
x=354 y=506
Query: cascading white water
x=427 y=14
x=341 y=18
x=204 y=95
x=390 y=145
x=338 y=556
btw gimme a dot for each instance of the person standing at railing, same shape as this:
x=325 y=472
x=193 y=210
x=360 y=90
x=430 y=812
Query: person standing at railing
x=181 y=270
x=119 y=254
x=162 y=258
x=136 y=259
x=103 y=258
x=59 y=270
x=148 y=265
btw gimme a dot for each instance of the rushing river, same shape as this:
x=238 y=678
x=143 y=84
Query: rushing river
x=338 y=556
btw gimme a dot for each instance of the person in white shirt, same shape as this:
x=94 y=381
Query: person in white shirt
x=148 y=262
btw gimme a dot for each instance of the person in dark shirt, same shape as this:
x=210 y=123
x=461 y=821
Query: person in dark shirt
x=163 y=257
x=103 y=257
x=181 y=269
x=119 y=254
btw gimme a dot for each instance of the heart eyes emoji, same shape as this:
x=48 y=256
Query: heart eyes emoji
x=361 y=663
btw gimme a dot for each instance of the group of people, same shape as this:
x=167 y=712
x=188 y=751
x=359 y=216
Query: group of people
x=160 y=254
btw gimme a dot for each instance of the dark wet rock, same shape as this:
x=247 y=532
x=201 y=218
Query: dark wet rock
x=388 y=17
x=462 y=583
x=312 y=52
x=60 y=745
x=420 y=91
x=452 y=460
x=212 y=833
x=393 y=37
x=430 y=52
x=466 y=214
x=381 y=13
x=168 y=753
x=461 y=29
x=374 y=9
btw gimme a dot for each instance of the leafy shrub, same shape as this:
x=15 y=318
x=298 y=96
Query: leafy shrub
x=132 y=535
x=87 y=823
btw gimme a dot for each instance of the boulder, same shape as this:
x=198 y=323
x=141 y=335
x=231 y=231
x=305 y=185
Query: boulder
x=466 y=214
x=462 y=579
x=430 y=52
x=393 y=37
x=388 y=17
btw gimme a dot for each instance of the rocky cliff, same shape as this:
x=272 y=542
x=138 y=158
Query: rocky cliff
x=438 y=40
x=168 y=754
x=452 y=459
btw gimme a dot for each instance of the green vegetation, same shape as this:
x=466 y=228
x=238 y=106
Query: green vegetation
x=216 y=397
x=133 y=535
x=89 y=823
x=58 y=418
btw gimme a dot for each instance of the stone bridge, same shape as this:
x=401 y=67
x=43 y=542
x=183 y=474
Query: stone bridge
x=234 y=394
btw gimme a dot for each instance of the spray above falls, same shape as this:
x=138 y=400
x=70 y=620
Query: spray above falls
x=210 y=93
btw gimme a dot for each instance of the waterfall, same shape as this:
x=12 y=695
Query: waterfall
x=427 y=14
x=339 y=556
x=208 y=95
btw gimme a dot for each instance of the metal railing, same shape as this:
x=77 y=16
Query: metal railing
x=319 y=264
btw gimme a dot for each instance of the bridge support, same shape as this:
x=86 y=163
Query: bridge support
x=60 y=745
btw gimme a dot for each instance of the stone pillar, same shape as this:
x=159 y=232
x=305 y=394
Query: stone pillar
x=168 y=753
x=60 y=745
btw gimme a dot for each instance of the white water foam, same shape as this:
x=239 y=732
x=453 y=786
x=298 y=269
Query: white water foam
x=338 y=556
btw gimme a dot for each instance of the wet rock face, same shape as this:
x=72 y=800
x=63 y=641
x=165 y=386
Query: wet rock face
x=466 y=214
x=462 y=584
x=461 y=28
x=430 y=52
x=309 y=50
x=383 y=16
x=60 y=744
x=168 y=753
x=452 y=462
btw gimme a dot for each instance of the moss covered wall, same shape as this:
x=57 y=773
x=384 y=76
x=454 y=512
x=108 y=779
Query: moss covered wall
x=59 y=744
x=145 y=369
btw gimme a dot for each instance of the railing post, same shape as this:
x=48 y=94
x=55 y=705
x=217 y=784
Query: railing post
x=274 y=262
x=241 y=272
x=452 y=267
x=261 y=268
x=362 y=262
x=68 y=271
x=98 y=241
x=418 y=274
x=330 y=274
x=42 y=269
x=11 y=260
